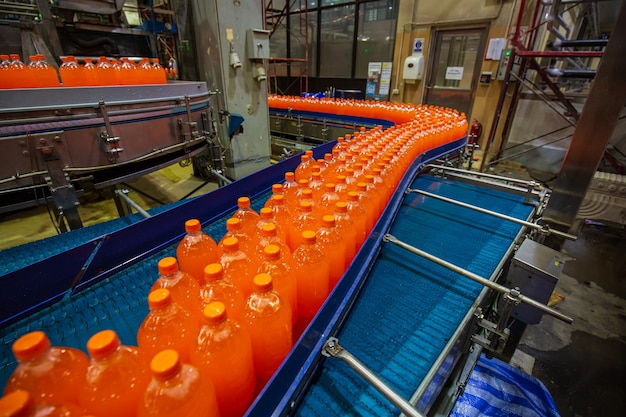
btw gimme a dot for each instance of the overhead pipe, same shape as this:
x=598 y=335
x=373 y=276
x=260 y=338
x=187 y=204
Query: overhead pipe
x=580 y=43
x=571 y=73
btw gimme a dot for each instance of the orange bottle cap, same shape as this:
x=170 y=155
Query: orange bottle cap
x=215 y=312
x=308 y=236
x=262 y=282
x=30 y=346
x=303 y=183
x=271 y=252
x=213 y=272
x=277 y=188
x=308 y=153
x=328 y=156
x=266 y=213
x=268 y=229
x=306 y=206
x=315 y=168
x=341 y=178
x=278 y=198
x=328 y=220
x=349 y=172
x=243 y=202
x=168 y=266
x=233 y=224
x=307 y=193
x=192 y=226
x=159 y=298
x=16 y=404
x=304 y=158
x=165 y=364
x=316 y=175
x=330 y=186
x=231 y=244
x=353 y=196
x=289 y=176
x=369 y=178
x=102 y=344
x=341 y=207
x=361 y=186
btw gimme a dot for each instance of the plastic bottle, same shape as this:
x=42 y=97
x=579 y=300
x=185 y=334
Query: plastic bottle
x=266 y=216
x=290 y=187
x=20 y=75
x=303 y=184
x=368 y=203
x=223 y=353
x=160 y=77
x=305 y=220
x=219 y=288
x=48 y=75
x=196 y=250
x=238 y=268
x=246 y=243
x=269 y=236
x=177 y=389
x=345 y=226
x=183 y=287
x=249 y=218
x=268 y=317
x=303 y=171
x=167 y=326
x=115 y=380
x=276 y=189
x=128 y=73
x=5 y=72
x=332 y=244
x=21 y=403
x=327 y=201
x=311 y=270
x=90 y=73
x=283 y=278
x=358 y=215
x=316 y=185
x=144 y=72
x=50 y=373
x=375 y=193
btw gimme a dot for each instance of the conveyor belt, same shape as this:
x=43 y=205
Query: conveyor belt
x=410 y=307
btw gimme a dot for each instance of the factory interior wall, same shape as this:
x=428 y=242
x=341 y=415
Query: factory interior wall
x=418 y=18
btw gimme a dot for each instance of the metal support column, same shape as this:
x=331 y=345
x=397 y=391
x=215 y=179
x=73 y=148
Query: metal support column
x=599 y=117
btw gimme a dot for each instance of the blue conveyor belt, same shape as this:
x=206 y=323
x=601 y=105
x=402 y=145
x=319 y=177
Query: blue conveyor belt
x=410 y=307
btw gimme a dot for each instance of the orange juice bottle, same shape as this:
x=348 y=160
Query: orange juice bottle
x=167 y=325
x=196 y=250
x=19 y=73
x=223 y=353
x=90 y=73
x=219 y=288
x=312 y=270
x=290 y=187
x=21 y=403
x=345 y=226
x=276 y=189
x=328 y=200
x=341 y=188
x=247 y=216
x=333 y=245
x=183 y=287
x=284 y=281
x=303 y=171
x=269 y=236
x=359 y=217
x=367 y=202
x=238 y=267
x=160 y=77
x=177 y=389
x=115 y=379
x=268 y=318
x=247 y=244
x=50 y=373
x=316 y=185
x=266 y=216
x=305 y=220
x=282 y=215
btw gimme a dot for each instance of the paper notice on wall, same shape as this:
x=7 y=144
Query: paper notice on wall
x=385 y=79
x=494 y=50
x=454 y=73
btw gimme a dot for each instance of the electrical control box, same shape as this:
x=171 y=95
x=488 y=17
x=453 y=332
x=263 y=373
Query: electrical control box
x=504 y=61
x=535 y=270
x=258 y=43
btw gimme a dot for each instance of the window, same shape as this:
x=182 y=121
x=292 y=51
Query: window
x=375 y=41
x=303 y=28
x=336 y=41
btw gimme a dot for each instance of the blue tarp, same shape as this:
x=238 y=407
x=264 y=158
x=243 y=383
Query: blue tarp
x=496 y=388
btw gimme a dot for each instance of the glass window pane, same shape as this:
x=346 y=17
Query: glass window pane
x=330 y=2
x=457 y=56
x=298 y=24
x=337 y=32
x=375 y=41
x=278 y=49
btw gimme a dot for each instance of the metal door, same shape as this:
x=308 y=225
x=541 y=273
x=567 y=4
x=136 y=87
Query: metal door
x=454 y=67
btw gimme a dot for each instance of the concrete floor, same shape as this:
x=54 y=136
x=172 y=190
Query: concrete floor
x=583 y=365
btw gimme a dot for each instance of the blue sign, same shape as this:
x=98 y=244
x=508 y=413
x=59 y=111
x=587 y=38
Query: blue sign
x=418 y=46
